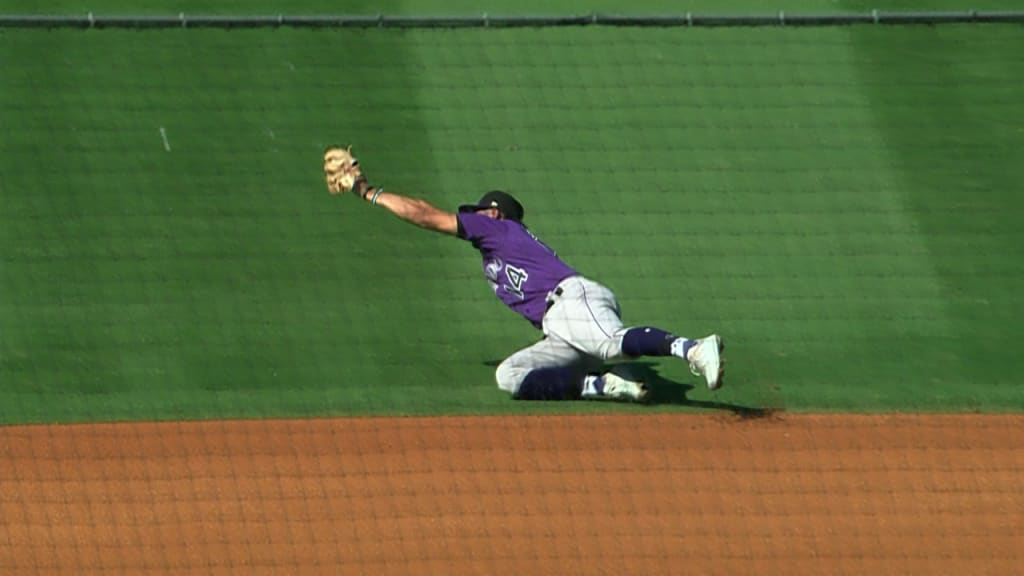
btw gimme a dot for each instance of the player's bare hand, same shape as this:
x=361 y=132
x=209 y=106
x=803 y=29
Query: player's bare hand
x=342 y=171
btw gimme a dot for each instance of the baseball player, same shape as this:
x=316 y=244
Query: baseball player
x=579 y=317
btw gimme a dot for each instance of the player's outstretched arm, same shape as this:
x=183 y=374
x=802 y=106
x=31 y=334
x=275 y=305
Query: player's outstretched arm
x=343 y=174
x=413 y=210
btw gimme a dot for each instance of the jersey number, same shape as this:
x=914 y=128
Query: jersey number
x=516 y=278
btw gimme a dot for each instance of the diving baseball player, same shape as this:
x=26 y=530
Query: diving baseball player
x=579 y=317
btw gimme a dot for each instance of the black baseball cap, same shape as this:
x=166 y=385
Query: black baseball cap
x=509 y=207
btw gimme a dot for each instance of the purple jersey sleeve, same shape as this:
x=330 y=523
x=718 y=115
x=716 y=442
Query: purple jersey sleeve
x=484 y=232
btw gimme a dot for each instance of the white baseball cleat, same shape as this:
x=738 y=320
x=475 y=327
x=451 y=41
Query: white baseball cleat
x=618 y=388
x=706 y=360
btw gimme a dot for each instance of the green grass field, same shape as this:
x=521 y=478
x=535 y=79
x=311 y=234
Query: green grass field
x=843 y=204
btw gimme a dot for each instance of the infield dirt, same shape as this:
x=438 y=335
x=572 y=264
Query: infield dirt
x=618 y=494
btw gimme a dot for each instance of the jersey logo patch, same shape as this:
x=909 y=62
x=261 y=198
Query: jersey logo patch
x=492 y=268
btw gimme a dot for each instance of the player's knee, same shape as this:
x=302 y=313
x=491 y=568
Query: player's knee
x=610 y=348
x=509 y=377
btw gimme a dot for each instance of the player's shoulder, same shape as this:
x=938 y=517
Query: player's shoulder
x=473 y=226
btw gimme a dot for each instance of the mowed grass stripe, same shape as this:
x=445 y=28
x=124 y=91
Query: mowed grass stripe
x=953 y=127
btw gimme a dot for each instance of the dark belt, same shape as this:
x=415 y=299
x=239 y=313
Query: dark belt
x=551 y=300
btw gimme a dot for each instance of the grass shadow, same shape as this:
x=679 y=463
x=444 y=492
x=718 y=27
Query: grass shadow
x=666 y=391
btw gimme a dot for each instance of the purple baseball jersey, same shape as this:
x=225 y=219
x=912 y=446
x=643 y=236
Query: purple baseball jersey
x=521 y=269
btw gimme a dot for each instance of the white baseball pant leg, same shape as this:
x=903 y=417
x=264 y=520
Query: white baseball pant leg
x=586 y=316
x=551 y=352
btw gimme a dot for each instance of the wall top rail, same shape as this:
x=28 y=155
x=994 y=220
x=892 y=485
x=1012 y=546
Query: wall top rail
x=688 y=19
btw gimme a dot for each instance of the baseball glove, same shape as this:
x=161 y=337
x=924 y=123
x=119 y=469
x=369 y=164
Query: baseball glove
x=342 y=172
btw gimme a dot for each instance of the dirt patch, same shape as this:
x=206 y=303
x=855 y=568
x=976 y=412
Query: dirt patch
x=525 y=495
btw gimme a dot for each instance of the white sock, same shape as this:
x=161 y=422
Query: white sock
x=593 y=385
x=680 y=346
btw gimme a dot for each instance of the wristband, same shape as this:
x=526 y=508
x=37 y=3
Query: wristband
x=362 y=193
x=376 y=195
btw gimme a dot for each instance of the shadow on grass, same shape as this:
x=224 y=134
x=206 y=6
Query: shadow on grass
x=664 y=391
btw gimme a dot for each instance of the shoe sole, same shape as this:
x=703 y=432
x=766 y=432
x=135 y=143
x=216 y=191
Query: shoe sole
x=718 y=382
